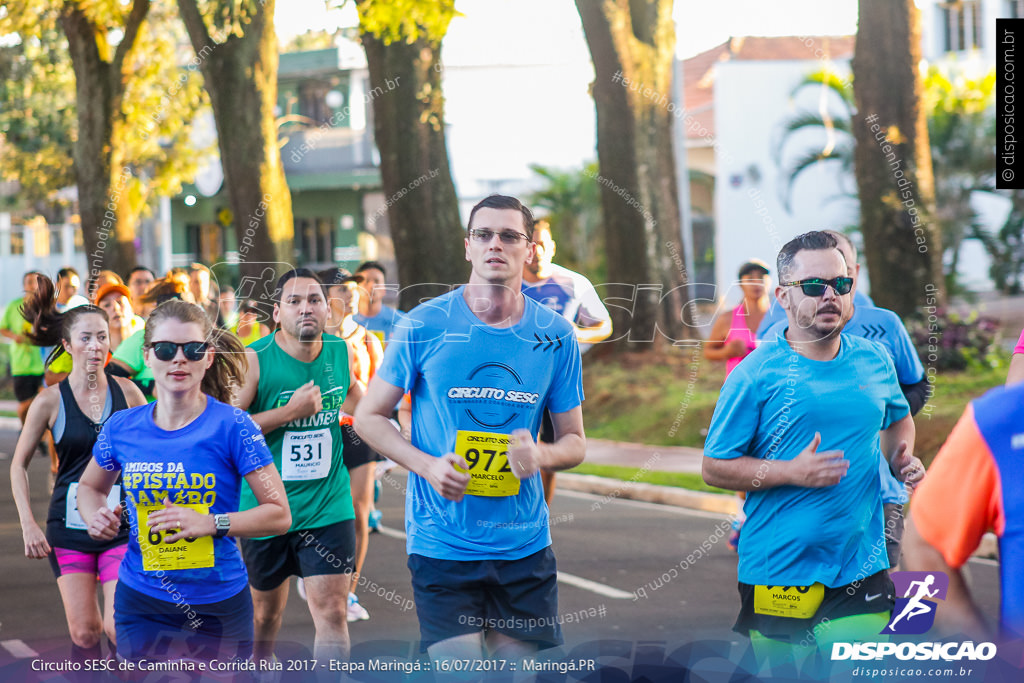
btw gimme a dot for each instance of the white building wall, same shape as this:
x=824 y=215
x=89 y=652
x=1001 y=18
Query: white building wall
x=752 y=100
x=516 y=93
x=503 y=118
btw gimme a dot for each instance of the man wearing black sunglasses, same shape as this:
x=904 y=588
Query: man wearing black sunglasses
x=812 y=555
x=884 y=327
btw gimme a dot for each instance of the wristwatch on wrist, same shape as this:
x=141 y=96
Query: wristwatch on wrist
x=223 y=524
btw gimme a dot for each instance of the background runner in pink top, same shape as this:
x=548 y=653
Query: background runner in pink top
x=1016 y=373
x=734 y=336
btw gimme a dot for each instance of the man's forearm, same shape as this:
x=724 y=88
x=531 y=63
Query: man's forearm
x=380 y=433
x=272 y=419
x=889 y=439
x=563 y=454
x=745 y=473
x=595 y=334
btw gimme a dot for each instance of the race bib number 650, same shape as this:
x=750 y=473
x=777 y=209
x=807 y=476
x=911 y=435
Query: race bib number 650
x=185 y=553
x=486 y=454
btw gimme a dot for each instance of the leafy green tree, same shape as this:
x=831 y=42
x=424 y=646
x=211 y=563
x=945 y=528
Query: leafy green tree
x=236 y=49
x=572 y=202
x=402 y=40
x=632 y=44
x=961 y=129
x=892 y=157
x=309 y=40
x=961 y=136
x=832 y=119
x=37 y=114
x=101 y=82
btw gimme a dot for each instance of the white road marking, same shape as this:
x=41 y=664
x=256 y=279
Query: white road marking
x=393 y=533
x=18 y=649
x=571 y=579
x=593 y=586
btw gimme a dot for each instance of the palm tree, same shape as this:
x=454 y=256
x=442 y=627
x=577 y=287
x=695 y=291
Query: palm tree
x=961 y=134
x=833 y=89
x=573 y=205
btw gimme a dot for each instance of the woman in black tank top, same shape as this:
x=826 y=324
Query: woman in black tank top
x=74 y=411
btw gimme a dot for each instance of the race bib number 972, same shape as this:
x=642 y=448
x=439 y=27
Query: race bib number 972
x=486 y=454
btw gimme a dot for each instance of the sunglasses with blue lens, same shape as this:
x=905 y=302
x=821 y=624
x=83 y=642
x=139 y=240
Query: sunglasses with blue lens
x=815 y=286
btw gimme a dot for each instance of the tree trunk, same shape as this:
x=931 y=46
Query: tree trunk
x=408 y=122
x=632 y=45
x=103 y=181
x=892 y=159
x=240 y=74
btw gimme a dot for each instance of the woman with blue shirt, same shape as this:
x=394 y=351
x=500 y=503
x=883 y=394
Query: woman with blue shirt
x=182 y=590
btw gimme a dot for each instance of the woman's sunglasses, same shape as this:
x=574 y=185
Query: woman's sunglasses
x=166 y=350
x=815 y=286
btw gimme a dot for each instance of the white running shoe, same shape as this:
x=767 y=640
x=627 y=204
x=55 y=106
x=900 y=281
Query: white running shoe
x=356 y=612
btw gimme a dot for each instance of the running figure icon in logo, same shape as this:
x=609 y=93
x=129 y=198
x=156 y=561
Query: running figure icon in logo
x=915 y=588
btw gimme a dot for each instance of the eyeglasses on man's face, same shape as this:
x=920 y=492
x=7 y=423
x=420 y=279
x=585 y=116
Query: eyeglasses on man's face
x=485 y=235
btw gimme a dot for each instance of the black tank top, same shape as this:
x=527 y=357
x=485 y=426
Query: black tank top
x=74 y=449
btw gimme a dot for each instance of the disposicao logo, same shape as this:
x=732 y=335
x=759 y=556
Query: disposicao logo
x=914 y=614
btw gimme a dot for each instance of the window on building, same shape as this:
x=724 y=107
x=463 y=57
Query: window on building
x=40 y=239
x=961 y=25
x=17 y=241
x=206 y=241
x=56 y=240
x=316 y=240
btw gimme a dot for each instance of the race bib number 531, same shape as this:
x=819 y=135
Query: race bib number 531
x=306 y=455
x=486 y=454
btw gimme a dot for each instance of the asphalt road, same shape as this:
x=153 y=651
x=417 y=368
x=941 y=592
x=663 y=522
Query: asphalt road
x=638 y=581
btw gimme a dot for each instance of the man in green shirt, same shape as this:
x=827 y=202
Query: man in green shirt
x=26 y=359
x=298 y=383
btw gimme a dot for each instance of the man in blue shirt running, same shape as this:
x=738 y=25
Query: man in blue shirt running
x=885 y=327
x=373 y=313
x=812 y=556
x=572 y=296
x=481 y=363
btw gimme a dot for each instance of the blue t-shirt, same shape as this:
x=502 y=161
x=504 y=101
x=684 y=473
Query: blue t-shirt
x=777 y=314
x=201 y=464
x=571 y=295
x=470 y=380
x=885 y=327
x=383 y=324
x=770 y=407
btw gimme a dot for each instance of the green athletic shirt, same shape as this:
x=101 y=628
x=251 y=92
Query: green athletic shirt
x=130 y=352
x=314 y=473
x=25 y=358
